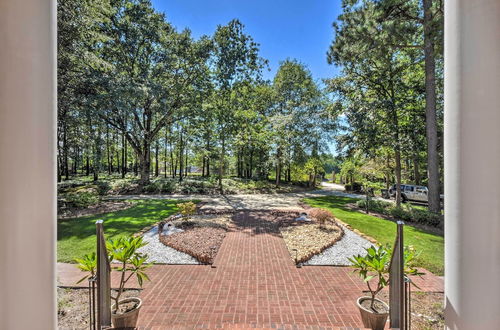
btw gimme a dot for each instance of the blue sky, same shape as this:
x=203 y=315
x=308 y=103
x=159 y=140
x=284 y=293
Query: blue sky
x=300 y=29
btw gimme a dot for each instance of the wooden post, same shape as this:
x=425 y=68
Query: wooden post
x=397 y=294
x=103 y=280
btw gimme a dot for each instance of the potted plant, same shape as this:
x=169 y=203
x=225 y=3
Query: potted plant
x=126 y=260
x=373 y=268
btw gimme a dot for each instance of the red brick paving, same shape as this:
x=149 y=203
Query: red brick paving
x=254 y=284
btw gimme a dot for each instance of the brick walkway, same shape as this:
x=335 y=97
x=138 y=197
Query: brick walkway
x=255 y=284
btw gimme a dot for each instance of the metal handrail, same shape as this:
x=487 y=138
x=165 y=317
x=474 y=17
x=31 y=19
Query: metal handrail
x=399 y=315
x=103 y=279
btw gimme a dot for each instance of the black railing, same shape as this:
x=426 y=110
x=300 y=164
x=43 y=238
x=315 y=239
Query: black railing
x=399 y=285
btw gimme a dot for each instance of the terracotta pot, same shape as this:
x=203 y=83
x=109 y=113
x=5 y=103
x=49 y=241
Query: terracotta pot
x=372 y=320
x=127 y=320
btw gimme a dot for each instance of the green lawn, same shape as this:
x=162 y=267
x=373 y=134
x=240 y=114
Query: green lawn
x=76 y=237
x=430 y=246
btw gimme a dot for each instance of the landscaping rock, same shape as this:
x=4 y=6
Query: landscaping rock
x=337 y=255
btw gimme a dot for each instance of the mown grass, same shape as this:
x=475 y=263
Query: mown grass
x=76 y=237
x=430 y=246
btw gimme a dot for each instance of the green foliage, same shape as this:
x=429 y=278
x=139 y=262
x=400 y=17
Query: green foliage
x=82 y=198
x=429 y=245
x=129 y=262
x=121 y=185
x=400 y=213
x=103 y=187
x=87 y=264
x=375 y=264
x=375 y=205
x=407 y=213
x=426 y=217
x=76 y=237
x=187 y=209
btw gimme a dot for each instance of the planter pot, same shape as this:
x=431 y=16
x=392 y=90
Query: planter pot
x=372 y=320
x=129 y=319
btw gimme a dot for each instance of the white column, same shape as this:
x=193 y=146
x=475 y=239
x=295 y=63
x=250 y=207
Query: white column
x=27 y=164
x=472 y=164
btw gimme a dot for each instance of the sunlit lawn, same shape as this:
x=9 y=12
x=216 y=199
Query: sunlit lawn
x=76 y=237
x=431 y=246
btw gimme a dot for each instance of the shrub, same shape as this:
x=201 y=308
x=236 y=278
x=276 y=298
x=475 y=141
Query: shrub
x=167 y=186
x=152 y=187
x=426 y=217
x=375 y=205
x=121 y=185
x=400 y=213
x=355 y=187
x=187 y=209
x=189 y=187
x=321 y=215
x=103 y=187
x=83 y=197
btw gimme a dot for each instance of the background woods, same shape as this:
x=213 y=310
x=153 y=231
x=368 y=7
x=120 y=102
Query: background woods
x=140 y=100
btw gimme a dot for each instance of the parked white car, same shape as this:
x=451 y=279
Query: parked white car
x=411 y=193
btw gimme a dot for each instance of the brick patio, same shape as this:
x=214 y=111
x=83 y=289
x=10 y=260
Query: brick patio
x=255 y=284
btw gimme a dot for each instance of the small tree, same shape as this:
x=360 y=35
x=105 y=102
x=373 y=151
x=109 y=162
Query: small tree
x=187 y=209
x=130 y=262
x=376 y=265
x=322 y=216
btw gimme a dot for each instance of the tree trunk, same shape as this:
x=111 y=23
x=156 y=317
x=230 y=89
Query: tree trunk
x=207 y=173
x=97 y=155
x=208 y=166
x=108 y=151
x=250 y=173
x=278 y=167
x=221 y=160
x=58 y=169
x=157 y=160
x=87 y=165
x=203 y=167
x=398 y=174
x=430 y=112
x=65 y=153
x=124 y=156
x=144 y=164
x=416 y=169
x=181 y=158
x=187 y=159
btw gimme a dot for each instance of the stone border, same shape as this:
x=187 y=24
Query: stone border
x=368 y=238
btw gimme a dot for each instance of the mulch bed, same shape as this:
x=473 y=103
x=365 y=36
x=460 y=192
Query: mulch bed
x=102 y=207
x=202 y=243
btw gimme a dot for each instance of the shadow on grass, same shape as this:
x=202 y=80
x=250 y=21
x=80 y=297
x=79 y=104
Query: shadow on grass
x=76 y=237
